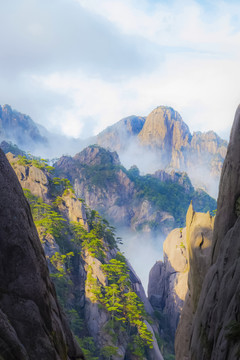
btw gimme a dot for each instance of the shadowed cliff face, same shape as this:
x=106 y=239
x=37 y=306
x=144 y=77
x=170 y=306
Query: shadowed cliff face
x=32 y=325
x=214 y=332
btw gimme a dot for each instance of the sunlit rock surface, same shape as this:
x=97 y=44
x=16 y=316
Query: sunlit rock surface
x=186 y=259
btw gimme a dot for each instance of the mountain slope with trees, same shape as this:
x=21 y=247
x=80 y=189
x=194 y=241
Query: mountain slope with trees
x=155 y=203
x=99 y=291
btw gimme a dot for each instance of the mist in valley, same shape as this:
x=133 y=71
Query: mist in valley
x=149 y=161
x=142 y=250
x=145 y=159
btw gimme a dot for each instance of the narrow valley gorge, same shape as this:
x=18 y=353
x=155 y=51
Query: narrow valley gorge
x=69 y=293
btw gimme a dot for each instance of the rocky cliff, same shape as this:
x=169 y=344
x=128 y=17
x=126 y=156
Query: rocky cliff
x=165 y=132
x=180 y=276
x=152 y=203
x=171 y=144
x=214 y=328
x=32 y=325
x=167 y=285
x=103 y=298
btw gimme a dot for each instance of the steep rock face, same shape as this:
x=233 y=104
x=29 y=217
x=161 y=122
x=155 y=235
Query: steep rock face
x=39 y=182
x=76 y=279
x=180 y=276
x=127 y=199
x=164 y=130
x=167 y=285
x=73 y=209
x=172 y=145
x=100 y=181
x=215 y=328
x=30 y=177
x=32 y=324
x=199 y=233
x=208 y=142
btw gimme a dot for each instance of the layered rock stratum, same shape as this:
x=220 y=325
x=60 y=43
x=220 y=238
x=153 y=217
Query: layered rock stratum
x=32 y=325
x=167 y=139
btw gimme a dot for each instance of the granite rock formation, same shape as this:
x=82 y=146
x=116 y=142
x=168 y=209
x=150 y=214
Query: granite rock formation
x=186 y=260
x=126 y=198
x=214 y=329
x=164 y=131
x=167 y=287
x=167 y=136
x=32 y=325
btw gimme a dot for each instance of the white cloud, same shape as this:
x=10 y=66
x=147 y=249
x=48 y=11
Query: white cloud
x=85 y=75
x=204 y=90
x=173 y=24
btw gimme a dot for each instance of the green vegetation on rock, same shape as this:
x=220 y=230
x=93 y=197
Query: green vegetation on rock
x=34 y=161
x=126 y=310
x=45 y=216
x=117 y=297
x=170 y=197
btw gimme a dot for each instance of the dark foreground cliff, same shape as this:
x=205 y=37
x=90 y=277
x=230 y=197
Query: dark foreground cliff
x=32 y=325
x=214 y=327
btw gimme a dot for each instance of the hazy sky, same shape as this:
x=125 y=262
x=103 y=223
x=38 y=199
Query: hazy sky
x=77 y=66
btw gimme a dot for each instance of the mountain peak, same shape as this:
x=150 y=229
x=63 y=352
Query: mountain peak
x=96 y=155
x=19 y=128
x=164 y=128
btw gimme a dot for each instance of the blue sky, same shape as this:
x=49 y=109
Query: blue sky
x=77 y=66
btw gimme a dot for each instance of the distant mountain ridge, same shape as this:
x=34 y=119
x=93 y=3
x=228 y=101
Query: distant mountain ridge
x=151 y=203
x=19 y=128
x=164 y=133
x=159 y=141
